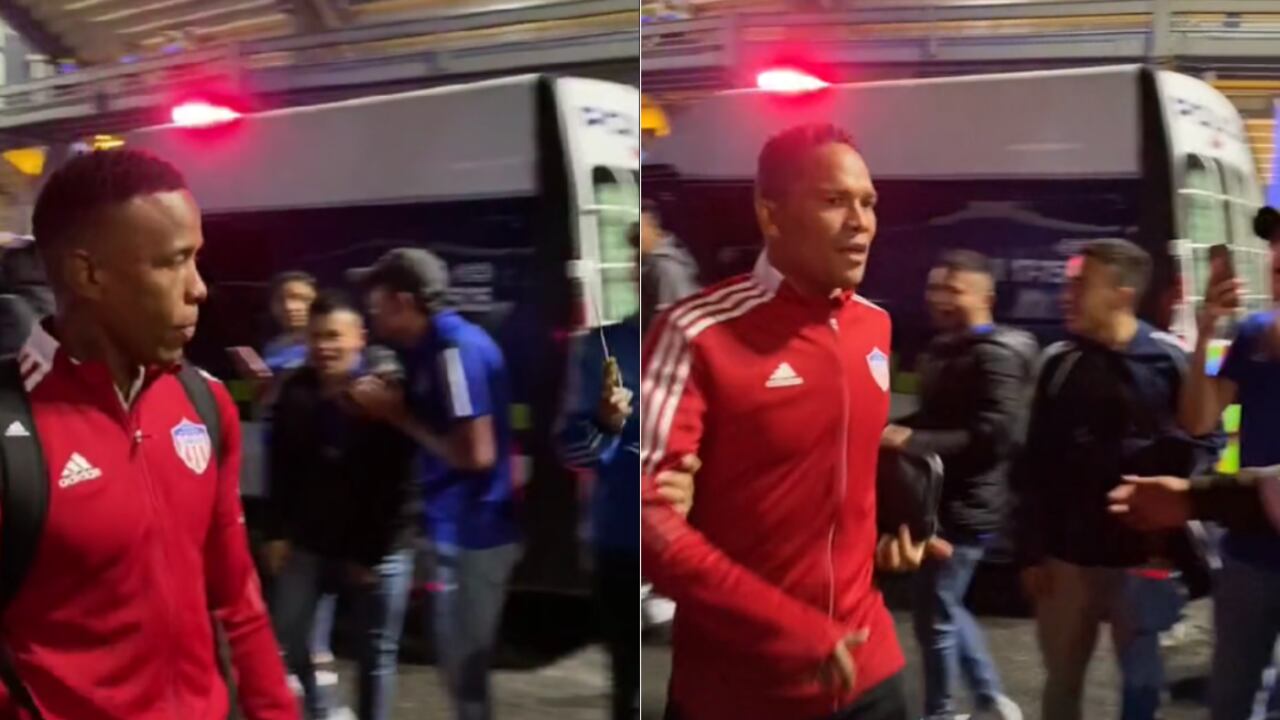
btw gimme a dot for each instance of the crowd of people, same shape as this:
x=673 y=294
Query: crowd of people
x=766 y=409
x=129 y=588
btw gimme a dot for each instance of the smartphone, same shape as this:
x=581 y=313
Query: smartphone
x=612 y=373
x=249 y=363
x=1221 y=265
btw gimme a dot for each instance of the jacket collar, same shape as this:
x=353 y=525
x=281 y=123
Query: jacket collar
x=772 y=280
x=39 y=355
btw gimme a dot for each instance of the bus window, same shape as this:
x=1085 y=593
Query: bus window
x=1204 y=220
x=1252 y=255
x=617 y=200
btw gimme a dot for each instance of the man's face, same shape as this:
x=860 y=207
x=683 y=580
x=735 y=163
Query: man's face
x=820 y=231
x=138 y=274
x=292 y=304
x=391 y=315
x=335 y=343
x=1092 y=296
x=956 y=297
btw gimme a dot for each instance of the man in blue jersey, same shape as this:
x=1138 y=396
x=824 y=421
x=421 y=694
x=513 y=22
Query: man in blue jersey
x=1247 y=592
x=455 y=405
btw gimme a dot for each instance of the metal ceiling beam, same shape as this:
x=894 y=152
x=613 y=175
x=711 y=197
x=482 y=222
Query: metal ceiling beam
x=192 y=13
x=33 y=29
x=319 y=15
x=448 y=22
x=84 y=42
x=134 y=7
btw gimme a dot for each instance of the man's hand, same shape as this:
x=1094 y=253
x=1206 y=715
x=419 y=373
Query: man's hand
x=1152 y=503
x=895 y=437
x=1221 y=298
x=902 y=554
x=378 y=399
x=614 y=408
x=676 y=486
x=838 y=673
x=1035 y=582
x=276 y=554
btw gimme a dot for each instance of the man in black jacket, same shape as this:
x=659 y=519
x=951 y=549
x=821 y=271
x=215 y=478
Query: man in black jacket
x=1105 y=406
x=342 y=511
x=974 y=384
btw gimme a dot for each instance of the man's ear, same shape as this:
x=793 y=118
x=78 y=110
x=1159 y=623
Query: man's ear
x=766 y=216
x=80 y=274
x=1128 y=297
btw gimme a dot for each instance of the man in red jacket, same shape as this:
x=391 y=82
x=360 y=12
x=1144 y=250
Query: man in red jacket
x=779 y=382
x=144 y=534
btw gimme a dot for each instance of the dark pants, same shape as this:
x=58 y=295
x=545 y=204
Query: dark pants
x=886 y=701
x=380 y=612
x=467 y=618
x=616 y=573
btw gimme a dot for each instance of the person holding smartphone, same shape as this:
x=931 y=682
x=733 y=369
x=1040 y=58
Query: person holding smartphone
x=1247 y=592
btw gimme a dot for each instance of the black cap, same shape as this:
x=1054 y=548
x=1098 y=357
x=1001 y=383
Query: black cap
x=1266 y=223
x=412 y=270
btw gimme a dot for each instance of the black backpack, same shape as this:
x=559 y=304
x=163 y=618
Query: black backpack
x=24 y=489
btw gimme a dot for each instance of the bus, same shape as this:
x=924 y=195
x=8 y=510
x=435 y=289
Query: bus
x=526 y=186
x=1023 y=167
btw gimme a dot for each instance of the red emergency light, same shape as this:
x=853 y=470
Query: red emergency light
x=202 y=114
x=789 y=80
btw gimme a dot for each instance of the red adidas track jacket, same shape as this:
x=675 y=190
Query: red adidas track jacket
x=144 y=537
x=784 y=399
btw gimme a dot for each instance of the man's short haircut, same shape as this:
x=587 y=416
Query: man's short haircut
x=89 y=183
x=1131 y=264
x=780 y=160
x=332 y=301
x=290 y=276
x=1266 y=222
x=970 y=261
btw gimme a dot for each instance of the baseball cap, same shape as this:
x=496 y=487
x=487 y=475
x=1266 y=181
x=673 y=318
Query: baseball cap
x=1266 y=223
x=411 y=270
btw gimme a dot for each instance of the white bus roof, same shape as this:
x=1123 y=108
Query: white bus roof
x=465 y=141
x=1046 y=124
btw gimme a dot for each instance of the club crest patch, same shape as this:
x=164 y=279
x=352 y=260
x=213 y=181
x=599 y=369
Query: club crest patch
x=192 y=444
x=878 y=364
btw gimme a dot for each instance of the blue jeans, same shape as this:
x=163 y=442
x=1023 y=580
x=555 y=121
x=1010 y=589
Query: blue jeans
x=468 y=614
x=951 y=641
x=1246 y=619
x=1153 y=606
x=322 y=636
x=379 y=610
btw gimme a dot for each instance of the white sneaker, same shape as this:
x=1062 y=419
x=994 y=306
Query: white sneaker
x=1002 y=708
x=322 y=658
x=657 y=610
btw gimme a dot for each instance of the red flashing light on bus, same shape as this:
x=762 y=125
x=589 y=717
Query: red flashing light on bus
x=201 y=114
x=789 y=80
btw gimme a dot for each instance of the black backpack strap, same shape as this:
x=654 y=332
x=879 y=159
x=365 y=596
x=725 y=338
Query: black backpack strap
x=201 y=396
x=24 y=498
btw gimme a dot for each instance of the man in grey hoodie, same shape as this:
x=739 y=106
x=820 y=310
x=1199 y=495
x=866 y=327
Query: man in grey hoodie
x=668 y=273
